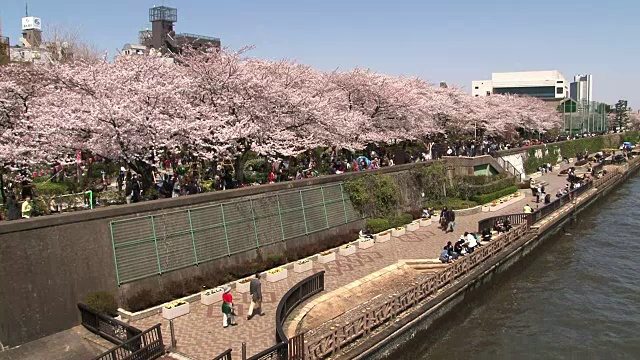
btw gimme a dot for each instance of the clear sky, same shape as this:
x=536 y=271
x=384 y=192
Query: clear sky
x=441 y=40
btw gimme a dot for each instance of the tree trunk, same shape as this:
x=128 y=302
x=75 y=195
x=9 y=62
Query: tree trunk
x=144 y=171
x=4 y=196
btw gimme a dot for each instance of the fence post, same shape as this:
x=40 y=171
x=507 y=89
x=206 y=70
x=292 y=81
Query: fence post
x=344 y=204
x=304 y=215
x=324 y=206
x=155 y=241
x=280 y=216
x=224 y=225
x=193 y=239
x=244 y=350
x=173 y=334
x=115 y=258
x=255 y=227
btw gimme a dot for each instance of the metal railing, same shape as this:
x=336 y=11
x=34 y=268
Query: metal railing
x=156 y=244
x=285 y=348
x=514 y=219
x=147 y=345
x=330 y=343
x=116 y=331
x=224 y=356
x=508 y=167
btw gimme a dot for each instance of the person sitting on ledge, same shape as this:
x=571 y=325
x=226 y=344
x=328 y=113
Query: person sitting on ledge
x=444 y=256
x=506 y=224
x=470 y=242
x=459 y=246
x=486 y=234
x=452 y=253
x=366 y=233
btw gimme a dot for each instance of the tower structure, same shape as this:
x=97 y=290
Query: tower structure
x=31 y=29
x=162 y=35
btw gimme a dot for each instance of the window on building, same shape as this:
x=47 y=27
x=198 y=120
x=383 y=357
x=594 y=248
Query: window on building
x=488 y=93
x=477 y=95
x=476 y=88
x=559 y=91
x=559 y=82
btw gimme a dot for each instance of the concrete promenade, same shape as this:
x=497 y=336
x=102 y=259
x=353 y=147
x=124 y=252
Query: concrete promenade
x=200 y=334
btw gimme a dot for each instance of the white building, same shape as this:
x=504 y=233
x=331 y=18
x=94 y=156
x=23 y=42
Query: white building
x=545 y=85
x=134 y=49
x=582 y=89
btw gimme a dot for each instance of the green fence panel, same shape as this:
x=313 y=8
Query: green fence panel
x=267 y=220
x=208 y=233
x=134 y=248
x=293 y=218
x=314 y=210
x=240 y=230
x=175 y=245
x=152 y=245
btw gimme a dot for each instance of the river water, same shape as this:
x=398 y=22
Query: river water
x=576 y=297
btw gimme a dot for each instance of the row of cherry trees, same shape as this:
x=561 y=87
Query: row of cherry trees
x=220 y=104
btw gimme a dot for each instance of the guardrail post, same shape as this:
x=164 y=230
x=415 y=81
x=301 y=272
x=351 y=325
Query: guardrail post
x=173 y=334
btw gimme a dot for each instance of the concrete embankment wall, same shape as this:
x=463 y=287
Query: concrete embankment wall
x=425 y=319
x=48 y=264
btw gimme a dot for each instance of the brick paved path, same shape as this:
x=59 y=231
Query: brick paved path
x=200 y=334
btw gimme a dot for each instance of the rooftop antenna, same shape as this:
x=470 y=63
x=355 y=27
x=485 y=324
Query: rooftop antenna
x=26 y=8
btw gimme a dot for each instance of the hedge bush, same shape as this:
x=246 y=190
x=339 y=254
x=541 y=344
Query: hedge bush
x=493 y=186
x=378 y=225
x=102 y=302
x=487 y=198
x=451 y=203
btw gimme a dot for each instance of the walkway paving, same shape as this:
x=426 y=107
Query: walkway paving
x=200 y=334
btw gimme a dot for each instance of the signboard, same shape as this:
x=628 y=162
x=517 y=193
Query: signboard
x=30 y=22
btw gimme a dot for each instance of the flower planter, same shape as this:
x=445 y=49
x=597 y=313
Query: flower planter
x=413 y=226
x=276 y=274
x=346 y=251
x=383 y=236
x=242 y=286
x=366 y=243
x=398 y=231
x=326 y=257
x=175 y=311
x=211 y=296
x=302 y=266
x=425 y=222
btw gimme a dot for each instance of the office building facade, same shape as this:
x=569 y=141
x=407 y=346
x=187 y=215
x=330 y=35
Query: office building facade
x=546 y=85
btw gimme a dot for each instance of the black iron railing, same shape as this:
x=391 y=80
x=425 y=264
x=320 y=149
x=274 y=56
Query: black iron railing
x=285 y=348
x=514 y=219
x=147 y=345
x=116 y=331
x=224 y=356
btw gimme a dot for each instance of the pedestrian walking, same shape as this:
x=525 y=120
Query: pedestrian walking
x=228 y=311
x=451 y=219
x=26 y=208
x=255 y=289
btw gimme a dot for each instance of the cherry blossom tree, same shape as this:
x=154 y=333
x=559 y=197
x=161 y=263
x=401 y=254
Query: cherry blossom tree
x=122 y=110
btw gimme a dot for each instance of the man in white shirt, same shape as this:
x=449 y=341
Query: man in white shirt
x=471 y=242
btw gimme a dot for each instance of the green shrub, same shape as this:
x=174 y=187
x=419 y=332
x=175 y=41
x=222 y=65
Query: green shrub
x=102 y=302
x=374 y=195
x=378 y=225
x=451 y=203
x=51 y=189
x=493 y=186
x=487 y=198
x=400 y=220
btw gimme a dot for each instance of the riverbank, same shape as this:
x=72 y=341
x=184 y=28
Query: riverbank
x=383 y=339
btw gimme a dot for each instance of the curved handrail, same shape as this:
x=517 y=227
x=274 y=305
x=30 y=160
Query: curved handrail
x=297 y=294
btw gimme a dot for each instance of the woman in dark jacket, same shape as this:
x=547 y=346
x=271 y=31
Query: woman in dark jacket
x=13 y=213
